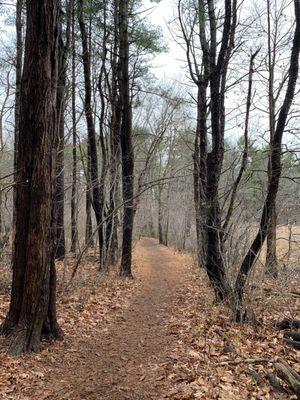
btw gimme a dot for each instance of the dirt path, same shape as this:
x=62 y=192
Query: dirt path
x=121 y=363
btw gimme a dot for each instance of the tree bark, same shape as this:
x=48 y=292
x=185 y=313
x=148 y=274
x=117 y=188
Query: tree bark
x=32 y=286
x=271 y=256
x=126 y=140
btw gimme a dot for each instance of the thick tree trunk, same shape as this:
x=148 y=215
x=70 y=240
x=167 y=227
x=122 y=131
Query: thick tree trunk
x=126 y=141
x=214 y=258
x=208 y=166
x=32 y=286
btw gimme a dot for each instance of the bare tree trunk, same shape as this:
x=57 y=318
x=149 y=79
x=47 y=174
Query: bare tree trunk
x=31 y=287
x=271 y=257
x=89 y=239
x=92 y=154
x=200 y=171
x=19 y=64
x=160 y=216
x=63 y=52
x=115 y=123
x=74 y=210
x=126 y=141
x=59 y=187
x=2 y=114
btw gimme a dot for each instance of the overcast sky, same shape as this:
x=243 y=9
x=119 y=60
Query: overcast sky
x=166 y=65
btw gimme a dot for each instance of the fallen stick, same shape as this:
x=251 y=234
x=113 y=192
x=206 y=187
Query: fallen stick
x=289 y=375
x=275 y=383
x=293 y=343
x=292 y=335
x=256 y=376
x=248 y=361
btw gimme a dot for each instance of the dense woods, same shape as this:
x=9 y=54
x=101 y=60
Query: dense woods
x=100 y=151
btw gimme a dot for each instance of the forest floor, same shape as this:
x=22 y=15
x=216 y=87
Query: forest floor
x=158 y=337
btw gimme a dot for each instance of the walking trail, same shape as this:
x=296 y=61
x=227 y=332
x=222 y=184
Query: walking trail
x=126 y=361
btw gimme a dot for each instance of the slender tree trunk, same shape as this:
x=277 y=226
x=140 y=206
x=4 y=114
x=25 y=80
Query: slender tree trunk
x=19 y=64
x=113 y=220
x=89 y=239
x=102 y=140
x=126 y=141
x=74 y=210
x=32 y=286
x=160 y=217
x=59 y=187
x=2 y=114
x=96 y=191
x=200 y=172
x=271 y=257
x=63 y=52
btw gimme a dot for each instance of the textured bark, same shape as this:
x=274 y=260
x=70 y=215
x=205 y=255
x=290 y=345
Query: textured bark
x=32 y=285
x=271 y=256
x=126 y=140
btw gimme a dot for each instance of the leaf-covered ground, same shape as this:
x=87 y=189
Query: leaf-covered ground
x=158 y=337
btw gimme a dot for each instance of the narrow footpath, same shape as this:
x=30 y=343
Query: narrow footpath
x=127 y=360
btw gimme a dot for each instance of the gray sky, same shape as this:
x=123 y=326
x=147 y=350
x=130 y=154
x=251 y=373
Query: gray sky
x=166 y=65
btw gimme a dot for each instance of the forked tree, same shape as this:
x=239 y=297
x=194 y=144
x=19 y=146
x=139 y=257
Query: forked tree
x=275 y=167
x=209 y=32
